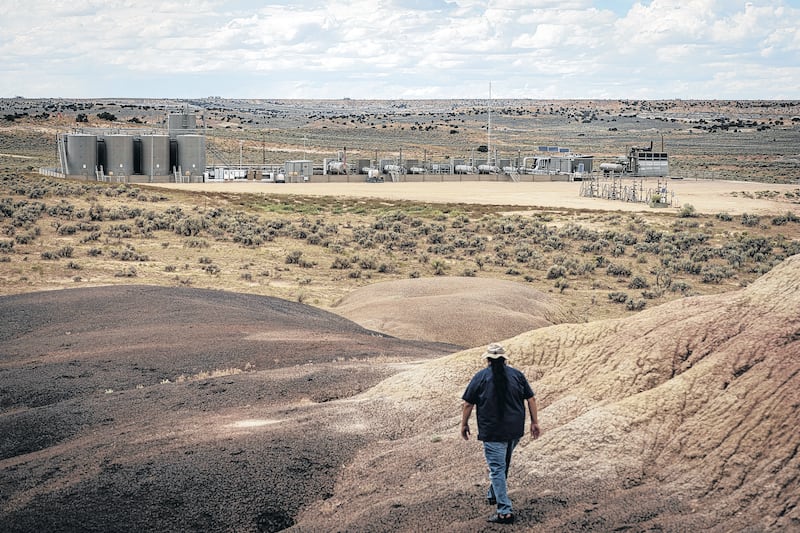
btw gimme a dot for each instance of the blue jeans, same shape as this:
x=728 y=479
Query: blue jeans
x=498 y=458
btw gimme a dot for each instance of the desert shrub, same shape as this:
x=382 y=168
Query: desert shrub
x=211 y=268
x=72 y=265
x=784 y=219
x=704 y=253
x=385 y=268
x=94 y=252
x=653 y=236
x=652 y=295
x=556 y=272
x=725 y=217
x=439 y=267
x=618 y=270
x=97 y=213
x=170 y=268
x=66 y=251
x=129 y=272
x=341 y=263
x=191 y=226
x=638 y=282
x=195 y=243
x=750 y=220
x=595 y=246
x=561 y=284
x=552 y=243
x=635 y=305
x=93 y=236
x=368 y=263
x=293 y=257
x=61 y=209
x=205 y=260
x=249 y=237
x=687 y=211
x=48 y=255
x=714 y=274
x=618 y=297
x=26 y=213
x=119 y=231
x=85 y=226
x=468 y=273
x=681 y=287
x=6 y=246
x=27 y=237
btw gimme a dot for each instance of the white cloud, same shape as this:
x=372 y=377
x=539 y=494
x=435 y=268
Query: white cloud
x=402 y=48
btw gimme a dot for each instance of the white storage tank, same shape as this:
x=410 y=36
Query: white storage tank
x=119 y=154
x=155 y=155
x=192 y=154
x=81 y=151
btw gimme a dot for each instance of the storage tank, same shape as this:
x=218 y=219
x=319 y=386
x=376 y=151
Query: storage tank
x=155 y=155
x=192 y=154
x=81 y=151
x=182 y=122
x=119 y=154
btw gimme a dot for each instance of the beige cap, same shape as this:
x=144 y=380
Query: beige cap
x=494 y=351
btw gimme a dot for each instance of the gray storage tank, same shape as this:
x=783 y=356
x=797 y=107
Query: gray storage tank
x=81 y=152
x=192 y=154
x=155 y=155
x=179 y=123
x=119 y=155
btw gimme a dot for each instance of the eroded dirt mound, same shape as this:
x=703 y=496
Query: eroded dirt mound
x=459 y=310
x=171 y=409
x=681 y=418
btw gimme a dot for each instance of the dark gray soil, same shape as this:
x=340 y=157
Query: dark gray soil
x=127 y=408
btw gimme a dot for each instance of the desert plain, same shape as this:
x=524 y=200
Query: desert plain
x=262 y=357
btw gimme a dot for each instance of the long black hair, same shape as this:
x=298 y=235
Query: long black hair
x=500 y=381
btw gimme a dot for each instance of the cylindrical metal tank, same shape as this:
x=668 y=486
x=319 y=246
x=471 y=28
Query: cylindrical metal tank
x=192 y=154
x=81 y=152
x=119 y=154
x=155 y=155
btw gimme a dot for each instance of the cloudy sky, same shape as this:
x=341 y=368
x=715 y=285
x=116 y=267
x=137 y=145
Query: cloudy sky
x=392 y=49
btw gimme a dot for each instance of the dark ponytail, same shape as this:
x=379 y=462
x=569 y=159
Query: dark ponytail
x=500 y=381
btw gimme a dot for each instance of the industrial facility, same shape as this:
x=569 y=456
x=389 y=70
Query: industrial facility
x=178 y=154
x=136 y=155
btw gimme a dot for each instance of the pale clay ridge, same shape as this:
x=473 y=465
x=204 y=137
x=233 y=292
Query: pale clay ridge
x=458 y=310
x=688 y=411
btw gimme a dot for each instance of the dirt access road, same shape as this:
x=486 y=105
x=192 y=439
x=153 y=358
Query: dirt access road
x=732 y=197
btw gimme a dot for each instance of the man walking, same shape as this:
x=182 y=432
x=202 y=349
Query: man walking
x=500 y=393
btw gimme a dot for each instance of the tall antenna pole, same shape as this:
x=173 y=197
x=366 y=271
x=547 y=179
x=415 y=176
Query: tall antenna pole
x=489 y=130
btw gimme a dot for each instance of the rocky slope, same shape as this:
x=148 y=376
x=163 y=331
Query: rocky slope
x=683 y=417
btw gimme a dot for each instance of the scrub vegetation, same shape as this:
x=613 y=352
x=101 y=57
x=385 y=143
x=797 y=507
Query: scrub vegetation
x=62 y=233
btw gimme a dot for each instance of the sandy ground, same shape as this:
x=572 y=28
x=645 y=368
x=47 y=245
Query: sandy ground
x=705 y=196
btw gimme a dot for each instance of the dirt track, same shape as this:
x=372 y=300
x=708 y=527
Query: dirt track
x=705 y=196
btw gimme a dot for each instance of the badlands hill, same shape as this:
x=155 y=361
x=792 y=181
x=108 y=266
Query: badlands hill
x=139 y=408
x=459 y=310
x=143 y=408
x=681 y=418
